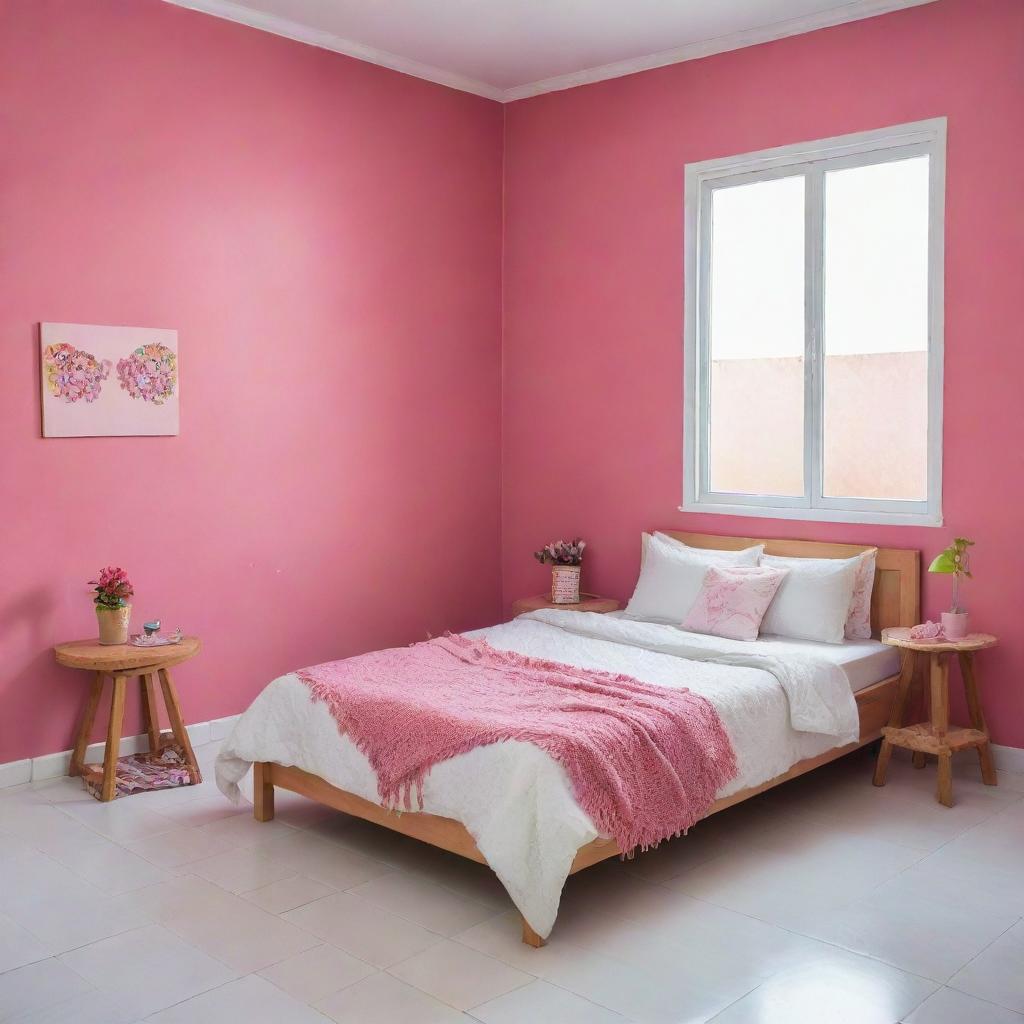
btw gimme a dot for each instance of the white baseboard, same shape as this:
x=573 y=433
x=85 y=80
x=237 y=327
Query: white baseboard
x=220 y=727
x=54 y=766
x=1008 y=759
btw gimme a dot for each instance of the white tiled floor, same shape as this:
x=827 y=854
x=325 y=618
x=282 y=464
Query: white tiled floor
x=823 y=900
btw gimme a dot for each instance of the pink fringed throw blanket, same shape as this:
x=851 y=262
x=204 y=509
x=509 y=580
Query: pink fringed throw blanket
x=645 y=761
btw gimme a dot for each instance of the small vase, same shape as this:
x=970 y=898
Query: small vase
x=113 y=624
x=565 y=584
x=954 y=625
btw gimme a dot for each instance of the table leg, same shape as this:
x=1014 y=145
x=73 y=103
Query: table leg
x=919 y=758
x=940 y=724
x=109 y=790
x=150 y=715
x=178 y=726
x=85 y=726
x=988 y=770
x=895 y=716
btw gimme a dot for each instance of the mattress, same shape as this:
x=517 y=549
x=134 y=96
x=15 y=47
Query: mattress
x=865 y=662
x=778 y=704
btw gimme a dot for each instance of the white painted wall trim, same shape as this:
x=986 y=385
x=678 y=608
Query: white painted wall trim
x=810 y=160
x=328 y=41
x=54 y=766
x=1008 y=759
x=854 y=10
x=857 y=10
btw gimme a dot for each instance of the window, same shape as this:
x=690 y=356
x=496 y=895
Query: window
x=814 y=330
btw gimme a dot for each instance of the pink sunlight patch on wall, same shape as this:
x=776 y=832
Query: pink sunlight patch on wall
x=108 y=381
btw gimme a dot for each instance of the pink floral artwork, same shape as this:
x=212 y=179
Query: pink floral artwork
x=109 y=381
x=149 y=373
x=732 y=600
x=71 y=374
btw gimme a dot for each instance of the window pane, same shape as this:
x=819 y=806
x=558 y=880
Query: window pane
x=876 y=331
x=757 y=338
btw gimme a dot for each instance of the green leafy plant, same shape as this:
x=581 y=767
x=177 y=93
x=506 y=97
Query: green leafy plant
x=955 y=561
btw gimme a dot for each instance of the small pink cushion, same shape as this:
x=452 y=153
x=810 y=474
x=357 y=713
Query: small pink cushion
x=733 y=600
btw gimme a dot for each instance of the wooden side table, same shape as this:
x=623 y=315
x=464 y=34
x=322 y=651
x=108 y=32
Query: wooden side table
x=121 y=662
x=937 y=736
x=590 y=603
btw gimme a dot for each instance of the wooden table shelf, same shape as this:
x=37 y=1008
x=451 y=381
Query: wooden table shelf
x=121 y=662
x=936 y=736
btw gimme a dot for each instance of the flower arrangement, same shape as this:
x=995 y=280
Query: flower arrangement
x=954 y=561
x=561 y=552
x=72 y=374
x=112 y=588
x=149 y=373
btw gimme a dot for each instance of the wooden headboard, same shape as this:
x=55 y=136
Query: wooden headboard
x=896 y=598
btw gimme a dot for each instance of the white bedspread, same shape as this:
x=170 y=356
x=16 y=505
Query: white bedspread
x=512 y=797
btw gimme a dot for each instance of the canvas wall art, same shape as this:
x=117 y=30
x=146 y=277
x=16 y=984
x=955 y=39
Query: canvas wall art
x=109 y=381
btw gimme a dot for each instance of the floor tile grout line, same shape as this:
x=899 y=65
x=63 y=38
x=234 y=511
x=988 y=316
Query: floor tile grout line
x=983 y=999
x=837 y=945
x=975 y=957
x=724 y=1009
x=553 y=984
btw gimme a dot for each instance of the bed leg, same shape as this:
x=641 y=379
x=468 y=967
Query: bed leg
x=263 y=792
x=530 y=937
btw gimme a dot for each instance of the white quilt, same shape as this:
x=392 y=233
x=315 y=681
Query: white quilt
x=515 y=800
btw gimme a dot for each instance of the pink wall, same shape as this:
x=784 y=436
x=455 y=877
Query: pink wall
x=592 y=352
x=325 y=236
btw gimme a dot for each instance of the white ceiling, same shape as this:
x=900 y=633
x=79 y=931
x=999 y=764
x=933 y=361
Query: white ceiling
x=508 y=49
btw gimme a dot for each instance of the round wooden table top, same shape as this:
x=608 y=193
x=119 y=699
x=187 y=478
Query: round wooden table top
x=99 y=657
x=589 y=603
x=900 y=637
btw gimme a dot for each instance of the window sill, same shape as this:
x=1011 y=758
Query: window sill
x=816 y=515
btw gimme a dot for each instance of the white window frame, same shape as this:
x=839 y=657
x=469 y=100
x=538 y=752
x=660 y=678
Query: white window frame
x=811 y=159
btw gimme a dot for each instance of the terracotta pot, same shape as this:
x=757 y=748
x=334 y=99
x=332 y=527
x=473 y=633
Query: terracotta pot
x=565 y=584
x=113 y=624
x=954 y=625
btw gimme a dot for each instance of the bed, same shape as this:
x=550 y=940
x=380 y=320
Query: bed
x=510 y=806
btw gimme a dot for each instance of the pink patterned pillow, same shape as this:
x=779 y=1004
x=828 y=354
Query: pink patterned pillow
x=858 y=619
x=733 y=600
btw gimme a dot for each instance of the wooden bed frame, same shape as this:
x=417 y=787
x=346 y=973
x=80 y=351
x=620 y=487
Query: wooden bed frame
x=894 y=602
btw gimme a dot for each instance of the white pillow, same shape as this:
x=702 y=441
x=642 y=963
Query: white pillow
x=672 y=574
x=814 y=599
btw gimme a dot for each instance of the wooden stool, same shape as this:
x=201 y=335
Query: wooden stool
x=936 y=736
x=121 y=662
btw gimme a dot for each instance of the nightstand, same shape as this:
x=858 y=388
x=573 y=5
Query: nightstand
x=937 y=736
x=590 y=603
x=121 y=662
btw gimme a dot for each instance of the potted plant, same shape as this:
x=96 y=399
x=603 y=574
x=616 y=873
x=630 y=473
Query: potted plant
x=955 y=562
x=113 y=611
x=565 y=559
